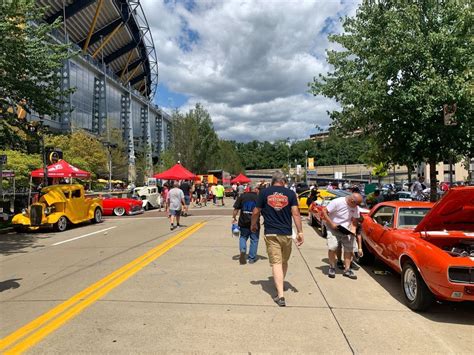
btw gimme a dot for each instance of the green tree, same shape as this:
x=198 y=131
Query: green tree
x=401 y=63
x=30 y=63
x=194 y=140
x=82 y=150
x=229 y=158
x=119 y=156
x=22 y=165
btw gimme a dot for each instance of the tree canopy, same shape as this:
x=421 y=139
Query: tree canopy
x=30 y=75
x=82 y=150
x=402 y=63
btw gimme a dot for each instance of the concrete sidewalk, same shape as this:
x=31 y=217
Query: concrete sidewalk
x=197 y=298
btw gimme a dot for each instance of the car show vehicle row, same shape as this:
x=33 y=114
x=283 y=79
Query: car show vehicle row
x=430 y=245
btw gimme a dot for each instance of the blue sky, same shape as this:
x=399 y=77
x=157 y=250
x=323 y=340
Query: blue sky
x=247 y=61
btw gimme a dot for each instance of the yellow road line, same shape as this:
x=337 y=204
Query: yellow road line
x=83 y=299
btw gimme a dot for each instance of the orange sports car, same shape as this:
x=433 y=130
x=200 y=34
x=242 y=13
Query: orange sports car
x=431 y=245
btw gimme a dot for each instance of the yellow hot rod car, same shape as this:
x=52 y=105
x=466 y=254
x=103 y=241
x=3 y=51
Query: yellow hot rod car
x=58 y=206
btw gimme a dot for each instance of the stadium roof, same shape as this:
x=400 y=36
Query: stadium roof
x=115 y=31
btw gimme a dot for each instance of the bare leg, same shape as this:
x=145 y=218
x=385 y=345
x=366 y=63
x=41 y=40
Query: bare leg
x=332 y=258
x=339 y=252
x=278 y=277
x=177 y=219
x=285 y=269
x=347 y=260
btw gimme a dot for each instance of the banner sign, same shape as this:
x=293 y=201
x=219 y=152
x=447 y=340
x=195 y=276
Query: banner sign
x=310 y=163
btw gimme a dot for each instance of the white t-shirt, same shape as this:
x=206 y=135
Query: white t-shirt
x=341 y=213
x=175 y=196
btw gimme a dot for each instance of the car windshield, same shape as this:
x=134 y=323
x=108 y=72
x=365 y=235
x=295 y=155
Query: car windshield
x=340 y=193
x=410 y=217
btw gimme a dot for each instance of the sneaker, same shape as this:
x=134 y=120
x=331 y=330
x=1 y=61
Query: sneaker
x=354 y=266
x=280 y=301
x=178 y=225
x=340 y=264
x=350 y=274
x=332 y=272
x=252 y=261
x=171 y=227
x=242 y=259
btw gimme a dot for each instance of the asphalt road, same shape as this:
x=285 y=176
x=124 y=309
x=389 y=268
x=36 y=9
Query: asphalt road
x=130 y=285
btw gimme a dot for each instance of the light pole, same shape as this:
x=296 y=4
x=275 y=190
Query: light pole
x=296 y=171
x=306 y=166
x=179 y=158
x=110 y=145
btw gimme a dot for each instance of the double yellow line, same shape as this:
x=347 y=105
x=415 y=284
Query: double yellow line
x=36 y=330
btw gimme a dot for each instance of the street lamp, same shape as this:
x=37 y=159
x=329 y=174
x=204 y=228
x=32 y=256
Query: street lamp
x=296 y=171
x=289 y=149
x=306 y=166
x=110 y=145
x=39 y=129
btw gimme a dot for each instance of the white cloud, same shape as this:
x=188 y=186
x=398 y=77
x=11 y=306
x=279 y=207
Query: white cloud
x=248 y=62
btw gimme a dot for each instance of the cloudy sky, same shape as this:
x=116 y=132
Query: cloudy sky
x=247 y=61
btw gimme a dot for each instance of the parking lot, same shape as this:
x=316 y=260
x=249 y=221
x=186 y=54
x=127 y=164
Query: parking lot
x=192 y=295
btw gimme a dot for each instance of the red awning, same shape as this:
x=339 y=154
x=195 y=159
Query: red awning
x=177 y=172
x=241 y=179
x=62 y=169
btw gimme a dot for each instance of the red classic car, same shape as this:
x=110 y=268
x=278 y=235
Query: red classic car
x=119 y=206
x=316 y=210
x=431 y=245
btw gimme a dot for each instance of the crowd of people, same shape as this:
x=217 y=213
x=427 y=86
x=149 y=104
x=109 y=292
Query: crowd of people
x=277 y=203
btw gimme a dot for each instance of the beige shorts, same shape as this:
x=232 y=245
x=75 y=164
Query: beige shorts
x=278 y=248
x=335 y=238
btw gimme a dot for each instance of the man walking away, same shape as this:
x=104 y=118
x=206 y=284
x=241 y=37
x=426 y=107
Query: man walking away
x=240 y=189
x=175 y=203
x=186 y=188
x=220 y=192
x=341 y=217
x=278 y=205
x=245 y=204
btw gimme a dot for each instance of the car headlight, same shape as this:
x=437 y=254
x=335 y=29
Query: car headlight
x=49 y=210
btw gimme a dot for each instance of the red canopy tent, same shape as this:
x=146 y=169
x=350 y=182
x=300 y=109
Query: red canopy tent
x=177 y=172
x=241 y=179
x=62 y=169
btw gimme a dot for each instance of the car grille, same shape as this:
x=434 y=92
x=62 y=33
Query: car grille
x=36 y=215
x=461 y=275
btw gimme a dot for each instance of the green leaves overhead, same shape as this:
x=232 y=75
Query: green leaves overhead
x=400 y=63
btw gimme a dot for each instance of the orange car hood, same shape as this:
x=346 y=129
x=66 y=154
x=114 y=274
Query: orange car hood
x=455 y=211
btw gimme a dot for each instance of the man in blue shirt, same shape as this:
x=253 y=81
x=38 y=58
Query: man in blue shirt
x=279 y=206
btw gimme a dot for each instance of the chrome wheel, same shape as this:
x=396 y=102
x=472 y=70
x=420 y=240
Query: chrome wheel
x=119 y=211
x=97 y=215
x=61 y=225
x=410 y=284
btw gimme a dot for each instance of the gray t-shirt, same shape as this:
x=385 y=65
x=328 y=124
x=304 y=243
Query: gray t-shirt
x=175 y=197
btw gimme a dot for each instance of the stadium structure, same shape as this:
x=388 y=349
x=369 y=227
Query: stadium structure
x=115 y=76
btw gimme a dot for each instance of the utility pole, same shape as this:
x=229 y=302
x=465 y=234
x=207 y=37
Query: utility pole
x=306 y=167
